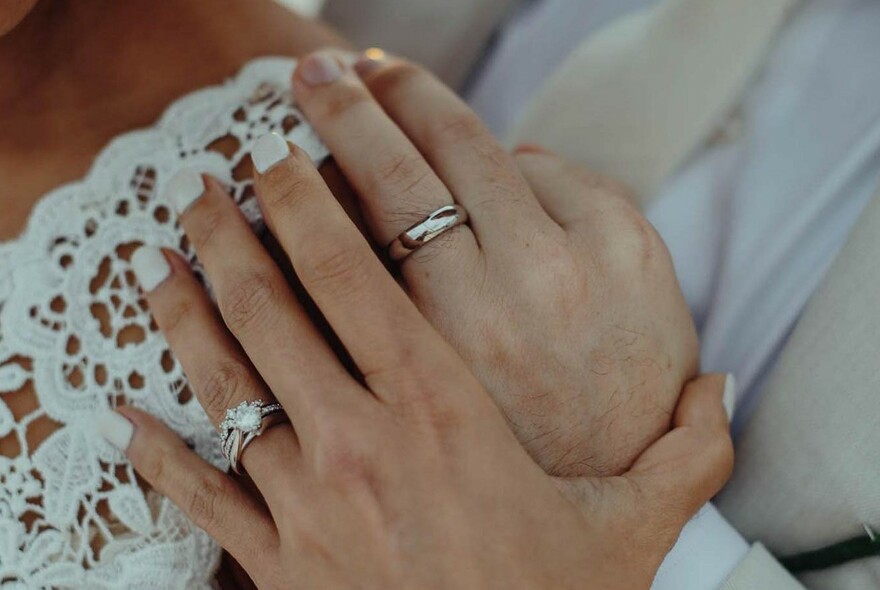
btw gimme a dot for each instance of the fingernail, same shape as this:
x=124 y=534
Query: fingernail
x=729 y=397
x=184 y=188
x=371 y=60
x=320 y=67
x=115 y=428
x=530 y=148
x=150 y=267
x=268 y=151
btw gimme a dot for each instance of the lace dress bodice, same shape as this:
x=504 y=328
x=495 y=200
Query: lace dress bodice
x=76 y=334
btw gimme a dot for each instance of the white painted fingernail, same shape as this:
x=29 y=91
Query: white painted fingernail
x=114 y=427
x=150 y=266
x=319 y=68
x=268 y=151
x=729 y=397
x=184 y=188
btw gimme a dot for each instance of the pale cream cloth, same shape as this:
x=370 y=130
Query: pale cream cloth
x=637 y=98
x=760 y=571
x=447 y=36
x=808 y=462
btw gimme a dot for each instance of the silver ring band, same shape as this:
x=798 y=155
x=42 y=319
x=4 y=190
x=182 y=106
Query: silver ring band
x=416 y=236
x=243 y=424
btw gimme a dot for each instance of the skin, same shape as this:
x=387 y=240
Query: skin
x=12 y=12
x=72 y=107
x=544 y=293
x=72 y=82
x=408 y=476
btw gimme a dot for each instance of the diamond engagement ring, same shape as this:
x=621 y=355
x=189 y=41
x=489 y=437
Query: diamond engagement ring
x=416 y=236
x=243 y=424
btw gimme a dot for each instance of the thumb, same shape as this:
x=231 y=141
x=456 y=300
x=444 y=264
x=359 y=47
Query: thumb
x=690 y=464
x=676 y=475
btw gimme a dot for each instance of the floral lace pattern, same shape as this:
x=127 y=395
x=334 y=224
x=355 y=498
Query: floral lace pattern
x=75 y=332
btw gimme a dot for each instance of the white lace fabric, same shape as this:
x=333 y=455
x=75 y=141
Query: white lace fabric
x=76 y=332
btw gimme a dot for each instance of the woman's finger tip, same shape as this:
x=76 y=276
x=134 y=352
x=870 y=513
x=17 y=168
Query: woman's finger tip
x=116 y=428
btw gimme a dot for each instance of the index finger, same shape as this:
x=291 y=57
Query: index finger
x=372 y=316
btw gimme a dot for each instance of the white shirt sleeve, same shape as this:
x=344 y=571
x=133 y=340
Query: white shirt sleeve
x=707 y=552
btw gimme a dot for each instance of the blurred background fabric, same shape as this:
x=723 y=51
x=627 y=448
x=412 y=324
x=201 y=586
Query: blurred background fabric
x=310 y=8
x=448 y=37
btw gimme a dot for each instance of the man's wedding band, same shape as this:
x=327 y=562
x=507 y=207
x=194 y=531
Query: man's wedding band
x=243 y=424
x=416 y=236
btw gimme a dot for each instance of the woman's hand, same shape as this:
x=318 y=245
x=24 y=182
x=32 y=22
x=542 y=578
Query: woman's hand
x=408 y=478
x=559 y=295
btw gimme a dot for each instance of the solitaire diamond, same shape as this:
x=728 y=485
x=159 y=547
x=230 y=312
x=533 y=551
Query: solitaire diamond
x=245 y=417
x=243 y=423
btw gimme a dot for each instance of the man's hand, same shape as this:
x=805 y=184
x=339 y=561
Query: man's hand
x=560 y=296
x=408 y=478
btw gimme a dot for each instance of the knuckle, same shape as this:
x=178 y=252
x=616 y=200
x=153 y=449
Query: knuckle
x=285 y=187
x=335 y=270
x=395 y=80
x=401 y=172
x=248 y=301
x=288 y=182
x=594 y=181
x=409 y=186
x=557 y=259
x=154 y=467
x=424 y=406
x=222 y=387
x=652 y=249
x=639 y=246
x=557 y=281
x=172 y=315
x=619 y=190
x=203 y=499
x=342 y=450
x=460 y=127
x=210 y=225
x=424 y=411
x=440 y=416
x=589 y=178
x=344 y=461
x=506 y=186
x=342 y=100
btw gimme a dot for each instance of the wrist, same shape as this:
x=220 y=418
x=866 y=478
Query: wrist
x=708 y=550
